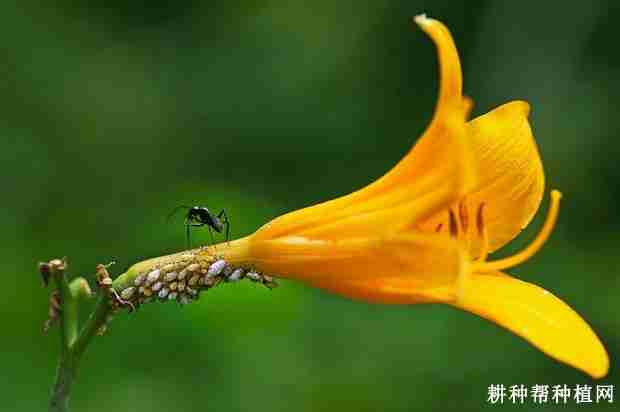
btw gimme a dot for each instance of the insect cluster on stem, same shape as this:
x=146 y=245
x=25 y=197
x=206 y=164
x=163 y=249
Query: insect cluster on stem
x=184 y=278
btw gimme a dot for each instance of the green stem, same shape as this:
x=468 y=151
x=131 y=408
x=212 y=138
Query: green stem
x=68 y=316
x=72 y=345
x=68 y=332
x=67 y=368
x=96 y=320
x=70 y=356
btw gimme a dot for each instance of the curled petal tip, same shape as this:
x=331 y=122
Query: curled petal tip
x=526 y=109
x=537 y=316
x=556 y=195
x=524 y=106
x=421 y=19
x=600 y=369
x=513 y=109
x=468 y=105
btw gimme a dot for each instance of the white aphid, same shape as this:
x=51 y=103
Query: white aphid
x=153 y=276
x=193 y=280
x=163 y=293
x=253 y=276
x=128 y=293
x=194 y=267
x=236 y=275
x=170 y=276
x=139 y=279
x=216 y=267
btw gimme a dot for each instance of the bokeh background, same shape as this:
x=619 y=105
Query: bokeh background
x=114 y=112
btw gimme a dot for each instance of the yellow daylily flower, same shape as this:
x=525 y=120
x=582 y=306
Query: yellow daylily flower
x=423 y=231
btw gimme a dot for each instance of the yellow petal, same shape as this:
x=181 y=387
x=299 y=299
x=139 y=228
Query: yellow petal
x=395 y=212
x=509 y=171
x=434 y=174
x=450 y=73
x=538 y=317
x=388 y=290
x=394 y=269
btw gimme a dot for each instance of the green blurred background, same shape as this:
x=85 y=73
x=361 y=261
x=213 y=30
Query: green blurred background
x=114 y=112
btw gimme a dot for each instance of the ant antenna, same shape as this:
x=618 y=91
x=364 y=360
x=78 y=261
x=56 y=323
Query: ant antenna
x=175 y=210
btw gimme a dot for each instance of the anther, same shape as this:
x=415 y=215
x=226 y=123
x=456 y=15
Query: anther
x=464 y=215
x=482 y=232
x=454 y=228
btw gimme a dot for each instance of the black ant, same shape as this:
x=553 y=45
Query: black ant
x=198 y=216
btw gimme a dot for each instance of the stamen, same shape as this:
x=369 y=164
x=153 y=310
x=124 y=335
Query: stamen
x=464 y=215
x=454 y=228
x=525 y=254
x=438 y=228
x=464 y=219
x=482 y=231
x=459 y=227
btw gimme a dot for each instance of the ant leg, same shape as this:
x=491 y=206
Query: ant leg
x=226 y=222
x=187 y=240
x=211 y=233
x=188 y=224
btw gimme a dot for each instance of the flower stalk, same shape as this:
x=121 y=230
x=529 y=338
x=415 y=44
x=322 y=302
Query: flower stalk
x=180 y=277
x=67 y=319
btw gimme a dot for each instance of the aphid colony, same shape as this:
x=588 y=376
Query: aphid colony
x=184 y=280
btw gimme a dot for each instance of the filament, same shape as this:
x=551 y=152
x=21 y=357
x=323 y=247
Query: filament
x=482 y=231
x=454 y=227
x=529 y=251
